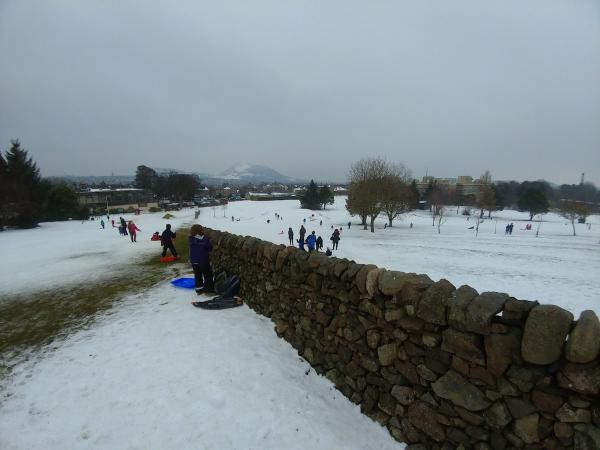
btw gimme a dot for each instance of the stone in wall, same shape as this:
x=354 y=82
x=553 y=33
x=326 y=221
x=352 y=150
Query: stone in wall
x=481 y=309
x=433 y=304
x=458 y=390
x=545 y=331
x=583 y=345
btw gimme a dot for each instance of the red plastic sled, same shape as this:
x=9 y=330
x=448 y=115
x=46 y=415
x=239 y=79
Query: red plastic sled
x=167 y=259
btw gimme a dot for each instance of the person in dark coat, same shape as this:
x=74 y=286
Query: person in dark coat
x=291 y=235
x=302 y=233
x=200 y=248
x=124 y=226
x=166 y=240
x=301 y=244
x=335 y=238
x=349 y=223
x=319 y=243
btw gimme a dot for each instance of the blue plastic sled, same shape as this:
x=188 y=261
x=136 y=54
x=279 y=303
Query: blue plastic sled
x=186 y=283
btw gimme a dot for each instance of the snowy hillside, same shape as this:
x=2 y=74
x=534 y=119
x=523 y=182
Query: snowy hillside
x=155 y=372
x=253 y=173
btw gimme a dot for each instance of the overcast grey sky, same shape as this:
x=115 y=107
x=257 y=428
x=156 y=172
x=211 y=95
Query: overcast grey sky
x=305 y=87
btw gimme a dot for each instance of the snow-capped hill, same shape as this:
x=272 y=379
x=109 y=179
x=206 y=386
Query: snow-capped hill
x=253 y=173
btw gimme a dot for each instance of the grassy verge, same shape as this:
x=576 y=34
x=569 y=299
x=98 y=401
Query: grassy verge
x=34 y=320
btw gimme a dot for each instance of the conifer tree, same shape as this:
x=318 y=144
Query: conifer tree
x=311 y=198
x=326 y=196
x=24 y=190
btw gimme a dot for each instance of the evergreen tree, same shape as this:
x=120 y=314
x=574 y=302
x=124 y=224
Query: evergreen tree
x=311 y=198
x=182 y=187
x=532 y=198
x=326 y=196
x=62 y=203
x=3 y=192
x=414 y=195
x=25 y=193
x=145 y=178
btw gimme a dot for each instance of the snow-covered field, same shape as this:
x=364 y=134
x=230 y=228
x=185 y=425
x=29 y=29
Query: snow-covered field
x=59 y=253
x=555 y=267
x=154 y=372
x=161 y=374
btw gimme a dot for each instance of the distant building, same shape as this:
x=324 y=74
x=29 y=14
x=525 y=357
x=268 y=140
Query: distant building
x=465 y=185
x=116 y=199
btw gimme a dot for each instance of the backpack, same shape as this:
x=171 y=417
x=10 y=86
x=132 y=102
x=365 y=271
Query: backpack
x=230 y=288
x=219 y=280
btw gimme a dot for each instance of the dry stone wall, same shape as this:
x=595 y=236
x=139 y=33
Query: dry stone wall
x=441 y=367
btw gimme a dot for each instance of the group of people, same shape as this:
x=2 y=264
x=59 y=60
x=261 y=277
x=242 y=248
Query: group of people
x=509 y=229
x=125 y=227
x=200 y=248
x=314 y=242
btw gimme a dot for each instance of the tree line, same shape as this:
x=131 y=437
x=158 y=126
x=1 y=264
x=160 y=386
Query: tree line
x=380 y=188
x=26 y=198
x=174 y=186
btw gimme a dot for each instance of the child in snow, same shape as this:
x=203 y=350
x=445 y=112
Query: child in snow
x=166 y=240
x=319 y=243
x=132 y=230
x=200 y=247
x=301 y=244
x=291 y=235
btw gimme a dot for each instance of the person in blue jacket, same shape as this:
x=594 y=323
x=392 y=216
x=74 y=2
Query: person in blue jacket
x=311 y=242
x=200 y=248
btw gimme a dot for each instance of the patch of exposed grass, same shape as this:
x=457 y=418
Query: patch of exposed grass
x=33 y=320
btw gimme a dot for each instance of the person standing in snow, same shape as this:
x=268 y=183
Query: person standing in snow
x=335 y=238
x=132 y=231
x=319 y=243
x=200 y=247
x=302 y=233
x=349 y=223
x=102 y=223
x=123 y=226
x=301 y=244
x=311 y=242
x=291 y=235
x=166 y=240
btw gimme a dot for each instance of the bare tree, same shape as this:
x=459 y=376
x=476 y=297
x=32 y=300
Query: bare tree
x=440 y=218
x=224 y=208
x=572 y=211
x=436 y=201
x=356 y=204
x=367 y=180
x=396 y=198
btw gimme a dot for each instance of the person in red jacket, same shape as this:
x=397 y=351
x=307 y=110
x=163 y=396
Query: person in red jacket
x=132 y=230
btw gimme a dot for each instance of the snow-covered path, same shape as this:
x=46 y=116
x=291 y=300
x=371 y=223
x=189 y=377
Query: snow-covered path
x=158 y=373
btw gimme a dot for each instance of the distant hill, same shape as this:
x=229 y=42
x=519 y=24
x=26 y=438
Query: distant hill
x=237 y=174
x=253 y=173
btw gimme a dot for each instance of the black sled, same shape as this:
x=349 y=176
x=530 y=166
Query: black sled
x=219 y=303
